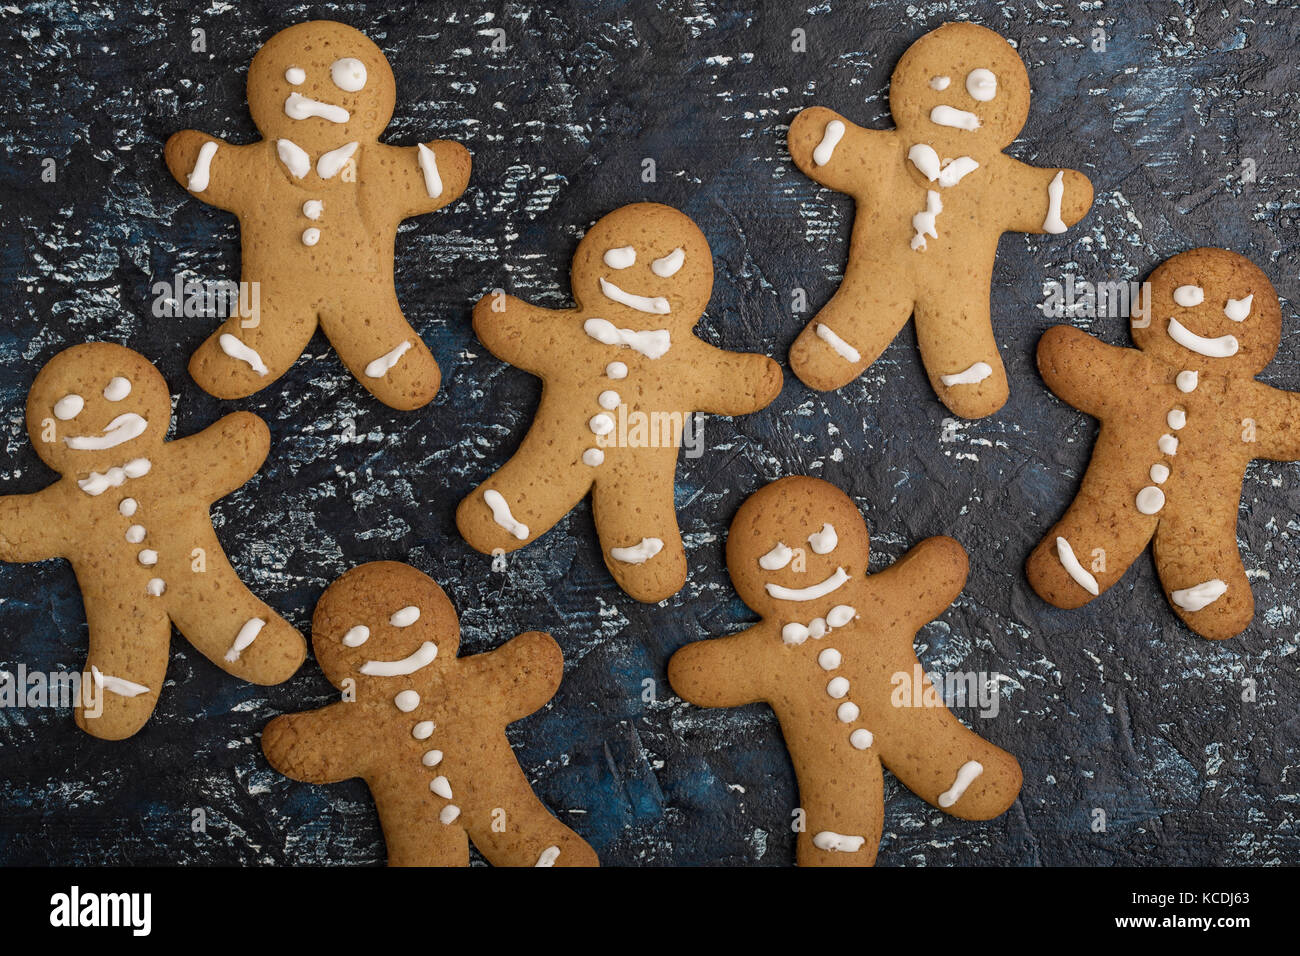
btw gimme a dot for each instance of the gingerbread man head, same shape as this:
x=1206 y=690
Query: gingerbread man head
x=804 y=549
x=95 y=406
x=1212 y=311
x=949 y=91
x=370 y=631
x=644 y=264
x=319 y=85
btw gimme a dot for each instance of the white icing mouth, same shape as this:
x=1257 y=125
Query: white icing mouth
x=1224 y=346
x=119 y=430
x=957 y=119
x=299 y=107
x=811 y=593
x=407 y=665
x=655 y=306
x=652 y=343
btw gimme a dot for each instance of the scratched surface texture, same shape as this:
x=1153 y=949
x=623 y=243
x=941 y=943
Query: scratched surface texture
x=1115 y=707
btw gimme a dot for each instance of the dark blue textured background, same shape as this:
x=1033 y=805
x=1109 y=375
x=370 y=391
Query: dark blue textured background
x=1115 y=706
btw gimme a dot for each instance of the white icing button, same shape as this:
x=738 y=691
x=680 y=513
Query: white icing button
x=441 y=786
x=840 y=615
x=148 y=557
x=1159 y=473
x=1168 y=444
x=156 y=586
x=127 y=507
x=593 y=457
x=616 y=370
x=1150 y=500
x=861 y=738
x=817 y=627
x=310 y=236
x=1177 y=418
x=135 y=533
x=312 y=208
x=423 y=730
x=838 y=687
x=407 y=701
x=608 y=400
x=449 y=813
x=601 y=424
x=1186 y=381
x=431 y=758
x=847 y=712
x=829 y=659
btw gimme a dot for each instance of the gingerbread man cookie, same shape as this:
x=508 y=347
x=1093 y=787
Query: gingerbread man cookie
x=318 y=200
x=424 y=728
x=933 y=196
x=825 y=657
x=622 y=374
x=131 y=515
x=1181 y=418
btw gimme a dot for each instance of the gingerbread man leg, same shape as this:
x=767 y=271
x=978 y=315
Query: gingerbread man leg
x=1200 y=565
x=841 y=792
x=959 y=351
x=413 y=833
x=379 y=347
x=636 y=521
x=524 y=829
x=232 y=628
x=852 y=329
x=248 y=353
x=125 y=667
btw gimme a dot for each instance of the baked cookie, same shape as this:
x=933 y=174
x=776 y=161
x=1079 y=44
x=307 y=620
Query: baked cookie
x=318 y=200
x=825 y=655
x=424 y=728
x=933 y=196
x=1181 y=418
x=621 y=376
x=130 y=513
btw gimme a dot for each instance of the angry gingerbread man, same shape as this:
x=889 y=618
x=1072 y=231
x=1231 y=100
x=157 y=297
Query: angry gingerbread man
x=424 y=728
x=622 y=375
x=827 y=657
x=933 y=197
x=1181 y=418
x=131 y=515
x=319 y=199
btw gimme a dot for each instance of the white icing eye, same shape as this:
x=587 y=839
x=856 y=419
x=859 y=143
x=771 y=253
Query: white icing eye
x=981 y=84
x=69 y=406
x=1189 y=295
x=1238 y=309
x=118 y=388
x=356 y=636
x=825 y=540
x=405 y=617
x=348 y=74
x=620 y=258
x=669 y=264
x=939 y=83
x=296 y=75
x=776 y=559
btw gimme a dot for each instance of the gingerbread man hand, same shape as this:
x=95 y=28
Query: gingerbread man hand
x=622 y=378
x=319 y=199
x=829 y=656
x=1182 y=417
x=130 y=513
x=933 y=197
x=424 y=728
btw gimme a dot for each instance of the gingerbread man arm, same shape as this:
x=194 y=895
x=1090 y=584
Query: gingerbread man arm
x=522 y=674
x=1276 y=415
x=733 y=383
x=239 y=438
x=29 y=528
x=316 y=746
x=1033 y=201
x=1074 y=364
x=228 y=170
x=843 y=159
x=424 y=178
x=722 y=671
x=512 y=330
x=920 y=585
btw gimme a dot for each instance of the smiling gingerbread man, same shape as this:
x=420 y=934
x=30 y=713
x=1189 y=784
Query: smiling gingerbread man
x=131 y=515
x=933 y=197
x=319 y=199
x=1181 y=418
x=424 y=728
x=827 y=657
x=622 y=375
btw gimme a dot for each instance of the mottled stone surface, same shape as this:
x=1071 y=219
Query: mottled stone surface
x=1115 y=706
